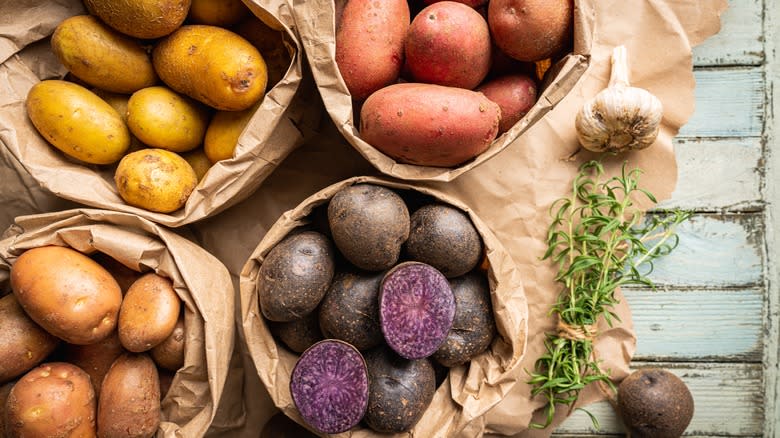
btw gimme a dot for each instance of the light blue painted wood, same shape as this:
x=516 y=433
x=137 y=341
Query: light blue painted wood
x=718 y=175
x=739 y=41
x=714 y=251
x=689 y=325
x=729 y=103
x=727 y=400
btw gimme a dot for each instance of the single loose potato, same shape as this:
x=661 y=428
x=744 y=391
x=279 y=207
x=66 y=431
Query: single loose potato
x=164 y=119
x=370 y=44
x=369 y=223
x=515 y=94
x=67 y=293
x=129 y=405
x=218 y=12
x=212 y=65
x=429 y=125
x=101 y=56
x=169 y=354
x=448 y=43
x=144 y=19
x=155 y=179
x=149 y=313
x=52 y=400
x=23 y=343
x=223 y=132
x=531 y=30
x=95 y=359
x=295 y=275
x=77 y=122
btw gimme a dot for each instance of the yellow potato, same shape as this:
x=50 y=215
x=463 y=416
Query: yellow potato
x=118 y=101
x=270 y=43
x=199 y=161
x=77 y=122
x=212 y=65
x=155 y=179
x=223 y=132
x=218 y=12
x=101 y=56
x=145 y=19
x=164 y=119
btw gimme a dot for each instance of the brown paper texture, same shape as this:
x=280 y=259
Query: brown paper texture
x=467 y=393
x=512 y=192
x=270 y=136
x=316 y=20
x=200 y=280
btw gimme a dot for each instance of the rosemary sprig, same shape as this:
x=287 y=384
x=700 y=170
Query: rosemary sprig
x=601 y=241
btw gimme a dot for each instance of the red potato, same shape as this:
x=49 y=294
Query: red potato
x=531 y=30
x=473 y=3
x=429 y=125
x=370 y=44
x=514 y=94
x=448 y=44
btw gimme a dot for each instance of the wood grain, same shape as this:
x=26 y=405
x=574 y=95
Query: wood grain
x=740 y=40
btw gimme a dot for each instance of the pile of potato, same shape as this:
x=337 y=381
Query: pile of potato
x=438 y=81
x=164 y=88
x=391 y=283
x=88 y=346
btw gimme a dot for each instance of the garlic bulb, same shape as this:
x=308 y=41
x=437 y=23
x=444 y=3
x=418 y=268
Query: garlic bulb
x=620 y=117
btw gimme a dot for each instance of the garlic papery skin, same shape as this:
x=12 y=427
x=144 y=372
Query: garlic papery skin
x=620 y=117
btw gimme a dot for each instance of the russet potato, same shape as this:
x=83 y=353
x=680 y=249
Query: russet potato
x=23 y=343
x=129 y=405
x=148 y=314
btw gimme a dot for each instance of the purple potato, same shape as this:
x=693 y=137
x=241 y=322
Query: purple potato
x=329 y=386
x=416 y=309
x=369 y=225
x=445 y=238
x=295 y=275
x=350 y=309
x=299 y=334
x=474 y=326
x=400 y=390
x=655 y=403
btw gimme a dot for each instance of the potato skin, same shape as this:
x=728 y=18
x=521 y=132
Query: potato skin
x=164 y=119
x=23 y=343
x=148 y=314
x=169 y=354
x=55 y=399
x=429 y=125
x=101 y=56
x=270 y=43
x=223 y=132
x=295 y=275
x=448 y=43
x=145 y=19
x=67 y=293
x=155 y=179
x=212 y=65
x=218 y=12
x=515 y=94
x=77 y=122
x=199 y=161
x=531 y=30
x=129 y=404
x=370 y=44
x=95 y=359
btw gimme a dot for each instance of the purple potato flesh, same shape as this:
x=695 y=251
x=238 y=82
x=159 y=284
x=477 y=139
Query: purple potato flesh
x=416 y=309
x=329 y=386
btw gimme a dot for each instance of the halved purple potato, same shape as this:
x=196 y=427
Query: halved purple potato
x=445 y=238
x=299 y=334
x=416 y=309
x=369 y=224
x=295 y=275
x=350 y=309
x=329 y=386
x=474 y=326
x=400 y=390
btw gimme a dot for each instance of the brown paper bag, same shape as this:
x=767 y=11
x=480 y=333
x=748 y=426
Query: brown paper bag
x=200 y=280
x=316 y=21
x=270 y=136
x=467 y=392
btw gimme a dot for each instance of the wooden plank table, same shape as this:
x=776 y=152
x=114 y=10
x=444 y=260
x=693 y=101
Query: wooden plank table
x=714 y=318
